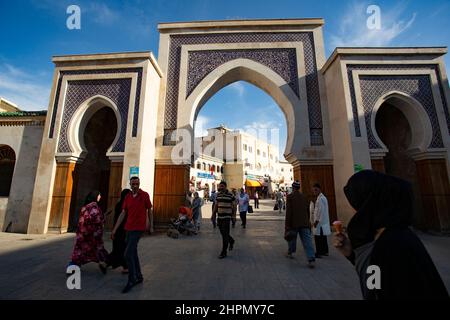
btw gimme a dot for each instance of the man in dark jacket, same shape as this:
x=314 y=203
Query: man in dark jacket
x=297 y=221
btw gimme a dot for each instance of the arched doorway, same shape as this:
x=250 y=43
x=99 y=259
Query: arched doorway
x=7 y=164
x=202 y=59
x=261 y=77
x=93 y=173
x=395 y=132
x=295 y=114
x=242 y=128
x=403 y=129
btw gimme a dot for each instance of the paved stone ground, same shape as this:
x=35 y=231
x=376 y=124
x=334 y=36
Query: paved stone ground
x=33 y=267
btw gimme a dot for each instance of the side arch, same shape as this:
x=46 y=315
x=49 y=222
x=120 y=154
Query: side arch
x=81 y=118
x=421 y=129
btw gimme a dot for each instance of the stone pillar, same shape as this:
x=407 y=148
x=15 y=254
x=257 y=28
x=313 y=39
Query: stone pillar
x=65 y=180
x=171 y=185
x=435 y=193
x=114 y=190
x=322 y=174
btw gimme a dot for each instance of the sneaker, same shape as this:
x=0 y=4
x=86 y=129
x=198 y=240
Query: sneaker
x=311 y=264
x=140 y=280
x=222 y=255
x=289 y=255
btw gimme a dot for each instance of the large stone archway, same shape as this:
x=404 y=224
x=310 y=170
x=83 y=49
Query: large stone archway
x=330 y=109
x=90 y=166
x=362 y=80
x=83 y=85
x=263 y=78
x=281 y=57
x=404 y=132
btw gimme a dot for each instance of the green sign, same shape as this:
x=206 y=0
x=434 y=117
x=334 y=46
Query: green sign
x=358 y=167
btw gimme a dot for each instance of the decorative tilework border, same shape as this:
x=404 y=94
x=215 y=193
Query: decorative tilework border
x=78 y=91
x=388 y=68
x=417 y=86
x=283 y=61
x=99 y=71
x=311 y=76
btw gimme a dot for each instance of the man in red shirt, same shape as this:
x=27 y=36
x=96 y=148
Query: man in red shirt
x=136 y=207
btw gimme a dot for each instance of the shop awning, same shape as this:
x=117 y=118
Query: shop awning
x=252 y=183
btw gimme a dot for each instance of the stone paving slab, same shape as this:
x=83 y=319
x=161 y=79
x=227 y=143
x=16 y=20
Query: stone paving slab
x=33 y=267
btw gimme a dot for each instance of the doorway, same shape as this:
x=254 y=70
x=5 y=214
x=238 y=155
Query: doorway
x=94 y=171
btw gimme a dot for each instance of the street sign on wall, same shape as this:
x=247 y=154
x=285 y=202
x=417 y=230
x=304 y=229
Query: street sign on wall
x=134 y=172
x=205 y=175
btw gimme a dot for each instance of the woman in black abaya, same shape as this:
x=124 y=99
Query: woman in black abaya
x=117 y=256
x=379 y=234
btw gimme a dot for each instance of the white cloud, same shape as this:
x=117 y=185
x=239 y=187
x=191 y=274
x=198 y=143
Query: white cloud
x=103 y=14
x=238 y=87
x=353 y=30
x=28 y=91
x=201 y=126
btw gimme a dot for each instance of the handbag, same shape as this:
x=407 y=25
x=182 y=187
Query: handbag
x=275 y=208
x=250 y=209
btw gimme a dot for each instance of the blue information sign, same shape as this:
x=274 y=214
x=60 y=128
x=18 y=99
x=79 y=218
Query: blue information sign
x=205 y=175
x=134 y=172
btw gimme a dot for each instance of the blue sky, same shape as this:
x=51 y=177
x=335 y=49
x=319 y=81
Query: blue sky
x=32 y=31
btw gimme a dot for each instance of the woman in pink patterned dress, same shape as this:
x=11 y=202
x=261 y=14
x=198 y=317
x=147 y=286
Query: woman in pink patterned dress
x=89 y=240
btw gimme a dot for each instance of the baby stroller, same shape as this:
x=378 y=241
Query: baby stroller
x=184 y=224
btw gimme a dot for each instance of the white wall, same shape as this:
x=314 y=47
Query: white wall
x=147 y=123
x=3 y=205
x=26 y=143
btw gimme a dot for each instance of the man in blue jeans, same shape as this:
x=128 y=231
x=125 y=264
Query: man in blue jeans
x=136 y=207
x=297 y=221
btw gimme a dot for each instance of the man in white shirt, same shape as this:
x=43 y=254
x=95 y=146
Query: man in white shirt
x=321 y=222
x=256 y=200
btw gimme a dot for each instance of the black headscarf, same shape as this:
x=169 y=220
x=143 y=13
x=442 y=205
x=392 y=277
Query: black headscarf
x=91 y=197
x=118 y=208
x=381 y=201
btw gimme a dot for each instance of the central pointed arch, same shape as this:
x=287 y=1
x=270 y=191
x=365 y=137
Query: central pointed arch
x=265 y=79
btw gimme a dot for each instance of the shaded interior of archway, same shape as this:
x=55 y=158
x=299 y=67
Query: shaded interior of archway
x=395 y=131
x=7 y=163
x=93 y=173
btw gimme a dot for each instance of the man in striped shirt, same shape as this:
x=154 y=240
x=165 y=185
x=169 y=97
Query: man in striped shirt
x=225 y=211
